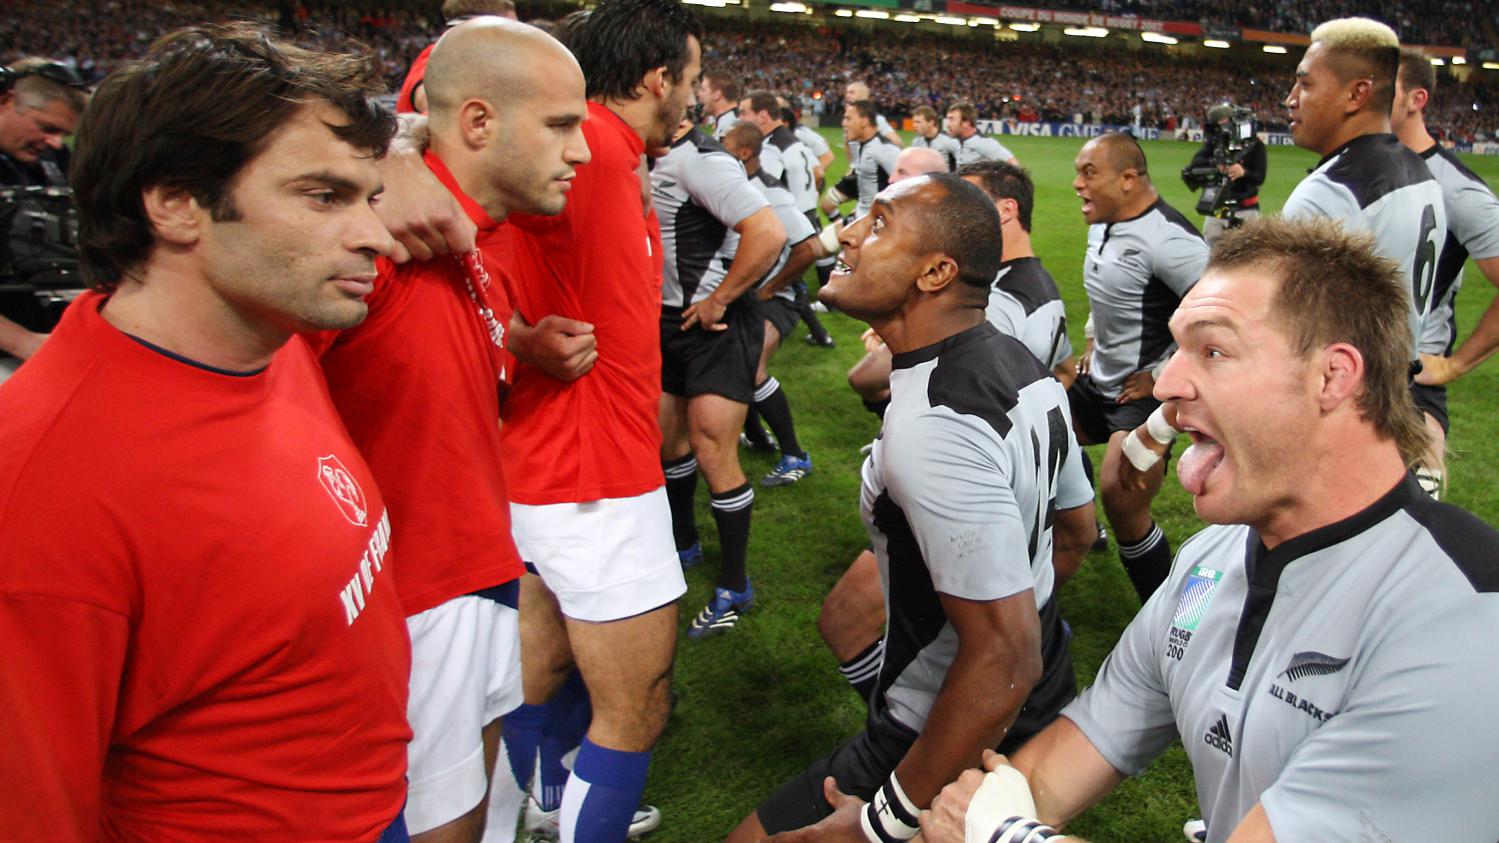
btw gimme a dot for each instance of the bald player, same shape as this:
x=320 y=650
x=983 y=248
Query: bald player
x=413 y=95
x=418 y=385
x=1143 y=256
x=1367 y=180
x=1472 y=231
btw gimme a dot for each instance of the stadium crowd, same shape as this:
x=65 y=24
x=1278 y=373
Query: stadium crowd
x=386 y=537
x=1020 y=81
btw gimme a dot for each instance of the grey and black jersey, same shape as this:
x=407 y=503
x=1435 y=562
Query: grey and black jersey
x=943 y=143
x=873 y=165
x=1373 y=184
x=882 y=128
x=1025 y=304
x=722 y=123
x=792 y=165
x=798 y=228
x=958 y=492
x=1135 y=273
x=700 y=193
x=1472 y=230
x=981 y=148
x=813 y=141
x=1346 y=680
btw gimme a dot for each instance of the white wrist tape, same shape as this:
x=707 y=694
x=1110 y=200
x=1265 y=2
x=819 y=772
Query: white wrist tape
x=1159 y=429
x=835 y=196
x=1002 y=795
x=828 y=237
x=1139 y=456
x=891 y=816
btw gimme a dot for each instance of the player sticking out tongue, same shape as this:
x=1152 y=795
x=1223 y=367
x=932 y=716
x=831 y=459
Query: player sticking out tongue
x=1198 y=462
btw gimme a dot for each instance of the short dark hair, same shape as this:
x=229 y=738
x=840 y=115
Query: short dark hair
x=925 y=111
x=457 y=9
x=765 y=101
x=1416 y=71
x=1335 y=288
x=190 y=114
x=865 y=108
x=625 y=39
x=569 y=25
x=1003 y=180
x=744 y=134
x=963 y=225
x=966 y=112
x=725 y=84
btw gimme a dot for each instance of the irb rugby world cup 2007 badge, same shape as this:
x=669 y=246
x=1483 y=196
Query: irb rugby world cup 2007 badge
x=1190 y=608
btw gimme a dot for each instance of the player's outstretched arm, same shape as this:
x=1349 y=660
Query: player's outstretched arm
x=1478 y=347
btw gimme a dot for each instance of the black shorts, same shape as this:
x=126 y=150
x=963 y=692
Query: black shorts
x=1096 y=417
x=1432 y=400
x=781 y=314
x=863 y=763
x=698 y=362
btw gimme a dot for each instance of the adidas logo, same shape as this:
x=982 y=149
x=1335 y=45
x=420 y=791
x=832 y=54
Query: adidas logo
x=1219 y=737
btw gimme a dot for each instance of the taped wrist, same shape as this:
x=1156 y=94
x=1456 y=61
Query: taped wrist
x=1139 y=456
x=890 y=817
x=1159 y=429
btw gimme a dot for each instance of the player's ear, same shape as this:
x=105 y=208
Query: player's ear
x=1342 y=375
x=176 y=217
x=476 y=122
x=1359 y=94
x=940 y=272
x=654 y=82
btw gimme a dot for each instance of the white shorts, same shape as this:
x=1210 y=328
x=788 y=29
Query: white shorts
x=605 y=560
x=465 y=673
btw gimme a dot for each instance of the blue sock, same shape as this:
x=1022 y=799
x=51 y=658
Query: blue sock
x=602 y=794
x=568 y=715
x=521 y=730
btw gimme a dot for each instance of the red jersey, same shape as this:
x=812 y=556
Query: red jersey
x=415 y=76
x=595 y=437
x=201 y=638
x=418 y=385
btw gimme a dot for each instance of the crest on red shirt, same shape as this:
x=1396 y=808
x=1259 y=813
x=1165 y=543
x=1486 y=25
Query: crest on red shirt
x=344 y=489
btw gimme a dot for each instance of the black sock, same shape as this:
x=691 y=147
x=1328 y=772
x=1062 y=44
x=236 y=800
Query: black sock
x=1147 y=561
x=681 y=488
x=808 y=315
x=863 y=671
x=731 y=511
x=770 y=401
x=752 y=429
x=879 y=407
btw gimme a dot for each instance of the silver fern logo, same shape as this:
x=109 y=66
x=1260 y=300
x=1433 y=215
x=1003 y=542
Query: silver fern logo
x=1312 y=663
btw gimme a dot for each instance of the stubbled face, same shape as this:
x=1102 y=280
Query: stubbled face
x=955 y=125
x=882 y=255
x=1098 y=184
x=1248 y=402
x=300 y=256
x=1317 y=102
x=539 y=140
x=675 y=100
x=924 y=127
x=26 y=133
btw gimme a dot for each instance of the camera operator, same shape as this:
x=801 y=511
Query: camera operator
x=1230 y=167
x=40 y=103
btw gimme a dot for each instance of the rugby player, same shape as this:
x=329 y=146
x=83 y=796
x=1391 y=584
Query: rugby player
x=582 y=457
x=718 y=93
x=1340 y=108
x=419 y=385
x=1472 y=231
x=1143 y=256
x=857 y=91
x=872 y=163
x=1304 y=647
x=203 y=640
x=778 y=305
x=962 y=124
x=964 y=553
x=930 y=134
x=412 y=98
x=1023 y=303
x=719 y=237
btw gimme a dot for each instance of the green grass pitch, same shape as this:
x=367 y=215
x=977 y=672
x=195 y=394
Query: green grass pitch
x=756 y=705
